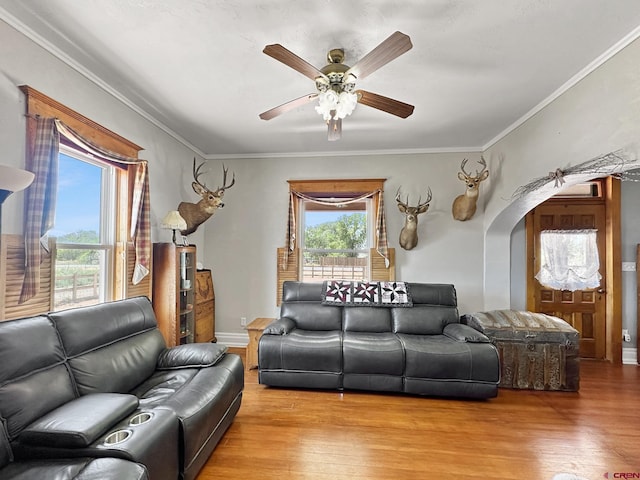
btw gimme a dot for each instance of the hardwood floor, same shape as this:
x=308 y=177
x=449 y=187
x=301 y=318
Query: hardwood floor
x=301 y=434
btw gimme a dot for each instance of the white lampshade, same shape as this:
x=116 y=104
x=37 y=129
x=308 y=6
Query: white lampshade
x=14 y=179
x=174 y=221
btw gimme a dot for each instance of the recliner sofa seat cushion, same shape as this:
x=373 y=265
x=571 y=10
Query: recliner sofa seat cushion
x=372 y=353
x=33 y=377
x=302 y=350
x=439 y=357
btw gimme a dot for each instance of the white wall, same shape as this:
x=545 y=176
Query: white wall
x=242 y=238
x=23 y=62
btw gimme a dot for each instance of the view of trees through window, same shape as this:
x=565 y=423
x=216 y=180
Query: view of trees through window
x=336 y=244
x=82 y=237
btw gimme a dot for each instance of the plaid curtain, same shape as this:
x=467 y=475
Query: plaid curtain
x=381 y=225
x=140 y=229
x=382 y=246
x=40 y=202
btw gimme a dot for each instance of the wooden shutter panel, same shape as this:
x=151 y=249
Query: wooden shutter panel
x=12 y=275
x=289 y=273
x=377 y=266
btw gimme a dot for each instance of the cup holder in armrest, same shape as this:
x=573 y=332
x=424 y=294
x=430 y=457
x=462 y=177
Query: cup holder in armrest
x=116 y=437
x=140 y=418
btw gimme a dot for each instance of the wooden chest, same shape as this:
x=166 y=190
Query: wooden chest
x=537 y=351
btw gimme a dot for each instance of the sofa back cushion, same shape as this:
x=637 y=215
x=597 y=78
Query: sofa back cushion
x=433 y=294
x=312 y=315
x=112 y=347
x=34 y=378
x=302 y=303
x=301 y=292
x=434 y=307
x=367 y=319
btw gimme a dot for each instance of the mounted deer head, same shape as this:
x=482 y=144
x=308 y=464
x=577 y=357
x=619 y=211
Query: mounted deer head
x=197 y=213
x=409 y=233
x=464 y=206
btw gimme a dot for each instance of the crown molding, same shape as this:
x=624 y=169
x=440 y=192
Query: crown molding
x=599 y=61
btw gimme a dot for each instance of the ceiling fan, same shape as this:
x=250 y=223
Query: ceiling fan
x=335 y=83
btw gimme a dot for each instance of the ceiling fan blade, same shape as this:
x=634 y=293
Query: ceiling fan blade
x=285 y=107
x=334 y=130
x=386 y=104
x=290 y=59
x=391 y=48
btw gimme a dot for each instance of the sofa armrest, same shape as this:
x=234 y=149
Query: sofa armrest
x=80 y=422
x=191 y=355
x=281 y=326
x=465 y=333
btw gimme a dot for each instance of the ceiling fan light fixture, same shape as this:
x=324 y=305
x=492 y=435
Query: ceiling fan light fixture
x=332 y=104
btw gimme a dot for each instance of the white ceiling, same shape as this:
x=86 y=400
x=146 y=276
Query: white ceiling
x=196 y=67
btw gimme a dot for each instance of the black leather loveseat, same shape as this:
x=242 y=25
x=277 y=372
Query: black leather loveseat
x=93 y=392
x=420 y=349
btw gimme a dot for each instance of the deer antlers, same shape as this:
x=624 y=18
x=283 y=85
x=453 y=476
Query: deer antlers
x=419 y=206
x=478 y=173
x=220 y=190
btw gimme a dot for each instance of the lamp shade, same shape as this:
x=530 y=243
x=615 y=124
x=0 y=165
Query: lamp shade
x=174 y=221
x=14 y=179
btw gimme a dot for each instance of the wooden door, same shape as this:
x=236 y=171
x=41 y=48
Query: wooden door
x=585 y=310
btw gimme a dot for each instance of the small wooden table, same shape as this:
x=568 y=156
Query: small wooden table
x=255 y=329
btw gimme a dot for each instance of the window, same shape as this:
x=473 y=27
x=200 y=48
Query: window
x=569 y=260
x=119 y=198
x=84 y=230
x=335 y=240
x=315 y=202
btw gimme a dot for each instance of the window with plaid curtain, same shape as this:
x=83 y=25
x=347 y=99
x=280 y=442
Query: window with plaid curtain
x=40 y=199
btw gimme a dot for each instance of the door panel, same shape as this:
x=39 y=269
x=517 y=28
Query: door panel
x=585 y=310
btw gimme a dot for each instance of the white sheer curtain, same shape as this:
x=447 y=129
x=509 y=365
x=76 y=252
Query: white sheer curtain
x=569 y=260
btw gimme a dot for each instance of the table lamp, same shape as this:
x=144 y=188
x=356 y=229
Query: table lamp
x=174 y=221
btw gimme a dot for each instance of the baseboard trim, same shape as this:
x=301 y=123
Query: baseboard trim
x=630 y=356
x=233 y=339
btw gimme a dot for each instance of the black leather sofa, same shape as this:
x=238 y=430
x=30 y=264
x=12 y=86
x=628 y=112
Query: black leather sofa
x=422 y=349
x=93 y=392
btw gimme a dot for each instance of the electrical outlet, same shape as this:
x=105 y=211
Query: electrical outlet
x=243 y=321
x=625 y=335
x=628 y=266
